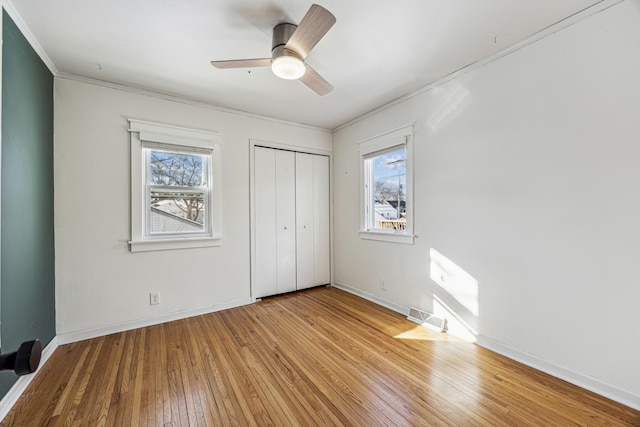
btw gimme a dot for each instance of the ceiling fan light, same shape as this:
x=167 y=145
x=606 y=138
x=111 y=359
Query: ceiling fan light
x=288 y=67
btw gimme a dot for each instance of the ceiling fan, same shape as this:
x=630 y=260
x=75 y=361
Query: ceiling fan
x=290 y=46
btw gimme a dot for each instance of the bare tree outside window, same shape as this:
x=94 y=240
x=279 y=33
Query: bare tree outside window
x=176 y=169
x=185 y=173
x=389 y=183
x=386 y=191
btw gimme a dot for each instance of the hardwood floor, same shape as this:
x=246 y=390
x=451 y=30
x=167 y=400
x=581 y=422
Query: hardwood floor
x=317 y=357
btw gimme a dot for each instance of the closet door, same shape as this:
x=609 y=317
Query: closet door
x=275 y=242
x=312 y=220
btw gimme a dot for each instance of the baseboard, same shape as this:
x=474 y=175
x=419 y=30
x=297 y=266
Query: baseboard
x=20 y=386
x=373 y=298
x=592 y=384
x=599 y=387
x=70 y=337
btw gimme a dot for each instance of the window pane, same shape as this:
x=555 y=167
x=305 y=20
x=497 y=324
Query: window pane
x=177 y=212
x=168 y=168
x=389 y=190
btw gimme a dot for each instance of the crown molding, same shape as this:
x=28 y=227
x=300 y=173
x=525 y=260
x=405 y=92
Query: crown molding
x=558 y=26
x=31 y=38
x=33 y=41
x=187 y=101
x=554 y=28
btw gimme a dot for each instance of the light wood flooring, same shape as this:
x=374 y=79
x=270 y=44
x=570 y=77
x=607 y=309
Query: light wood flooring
x=317 y=357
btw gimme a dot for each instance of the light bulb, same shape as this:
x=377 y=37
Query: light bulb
x=288 y=67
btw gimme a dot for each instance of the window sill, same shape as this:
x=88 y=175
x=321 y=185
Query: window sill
x=381 y=236
x=169 y=244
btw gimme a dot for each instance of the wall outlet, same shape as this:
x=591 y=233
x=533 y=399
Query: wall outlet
x=383 y=284
x=154 y=298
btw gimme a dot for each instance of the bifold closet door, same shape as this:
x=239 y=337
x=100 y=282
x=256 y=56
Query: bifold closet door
x=312 y=220
x=275 y=213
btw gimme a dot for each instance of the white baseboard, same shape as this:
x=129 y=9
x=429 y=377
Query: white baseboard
x=599 y=387
x=70 y=337
x=373 y=298
x=21 y=384
x=586 y=382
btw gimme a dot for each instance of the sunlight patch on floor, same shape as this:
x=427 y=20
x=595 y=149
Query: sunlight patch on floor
x=424 y=333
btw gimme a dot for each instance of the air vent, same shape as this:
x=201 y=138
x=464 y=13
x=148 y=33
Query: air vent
x=427 y=319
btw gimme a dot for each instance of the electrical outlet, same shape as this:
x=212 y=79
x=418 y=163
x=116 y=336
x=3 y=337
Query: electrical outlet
x=383 y=284
x=154 y=298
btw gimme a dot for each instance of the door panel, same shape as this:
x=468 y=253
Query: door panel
x=312 y=212
x=285 y=221
x=321 y=236
x=304 y=220
x=265 y=282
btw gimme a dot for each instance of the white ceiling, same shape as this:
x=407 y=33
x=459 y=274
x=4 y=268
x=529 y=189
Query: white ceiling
x=376 y=52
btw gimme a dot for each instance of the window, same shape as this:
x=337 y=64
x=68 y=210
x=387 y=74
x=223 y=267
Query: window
x=387 y=193
x=177 y=191
x=175 y=197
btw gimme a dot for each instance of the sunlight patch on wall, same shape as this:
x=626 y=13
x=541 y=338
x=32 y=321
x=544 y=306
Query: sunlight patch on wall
x=455 y=281
x=456 y=326
x=453 y=100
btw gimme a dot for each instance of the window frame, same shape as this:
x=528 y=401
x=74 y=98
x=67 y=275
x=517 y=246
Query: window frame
x=147 y=136
x=369 y=149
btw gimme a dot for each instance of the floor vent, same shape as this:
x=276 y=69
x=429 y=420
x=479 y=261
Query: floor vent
x=427 y=319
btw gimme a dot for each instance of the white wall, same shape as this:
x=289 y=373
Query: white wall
x=527 y=178
x=101 y=286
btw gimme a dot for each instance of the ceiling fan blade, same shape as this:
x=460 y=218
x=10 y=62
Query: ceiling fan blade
x=311 y=29
x=315 y=81
x=242 y=63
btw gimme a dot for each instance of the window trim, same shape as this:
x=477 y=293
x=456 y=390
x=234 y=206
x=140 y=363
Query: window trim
x=368 y=148
x=145 y=135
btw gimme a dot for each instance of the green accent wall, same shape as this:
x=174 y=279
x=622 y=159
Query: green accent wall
x=27 y=287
